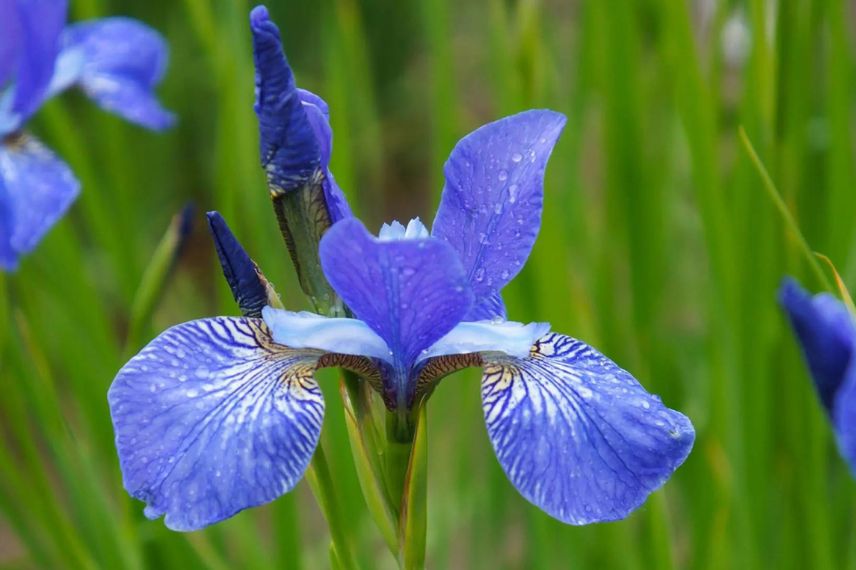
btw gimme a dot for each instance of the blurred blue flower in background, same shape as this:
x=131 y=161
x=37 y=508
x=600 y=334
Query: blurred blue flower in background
x=117 y=62
x=826 y=333
x=221 y=414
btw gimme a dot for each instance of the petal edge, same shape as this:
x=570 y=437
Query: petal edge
x=577 y=435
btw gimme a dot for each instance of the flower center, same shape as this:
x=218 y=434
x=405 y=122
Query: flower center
x=396 y=231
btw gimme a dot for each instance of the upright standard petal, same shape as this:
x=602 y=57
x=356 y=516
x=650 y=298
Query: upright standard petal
x=577 y=435
x=410 y=292
x=490 y=211
x=117 y=62
x=39 y=188
x=490 y=307
x=40 y=23
x=248 y=286
x=212 y=418
x=290 y=153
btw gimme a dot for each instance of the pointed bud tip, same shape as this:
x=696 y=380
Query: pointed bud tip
x=259 y=16
x=791 y=292
x=262 y=27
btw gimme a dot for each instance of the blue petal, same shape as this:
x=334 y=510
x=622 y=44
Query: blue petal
x=212 y=418
x=117 y=62
x=410 y=292
x=39 y=188
x=491 y=307
x=337 y=335
x=319 y=117
x=240 y=271
x=290 y=153
x=844 y=417
x=490 y=211
x=9 y=41
x=8 y=256
x=40 y=24
x=508 y=337
x=576 y=434
x=318 y=113
x=826 y=334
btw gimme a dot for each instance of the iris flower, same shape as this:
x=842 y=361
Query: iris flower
x=826 y=333
x=117 y=62
x=221 y=414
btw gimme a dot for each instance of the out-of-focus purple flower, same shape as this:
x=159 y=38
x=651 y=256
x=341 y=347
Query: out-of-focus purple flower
x=116 y=61
x=221 y=414
x=826 y=333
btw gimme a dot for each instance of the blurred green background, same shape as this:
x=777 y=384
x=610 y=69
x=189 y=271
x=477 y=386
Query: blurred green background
x=658 y=246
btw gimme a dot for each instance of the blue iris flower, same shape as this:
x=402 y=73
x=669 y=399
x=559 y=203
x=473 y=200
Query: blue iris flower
x=826 y=333
x=117 y=62
x=221 y=414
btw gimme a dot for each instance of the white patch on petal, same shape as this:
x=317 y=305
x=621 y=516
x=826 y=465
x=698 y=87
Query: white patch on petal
x=308 y=330
x=512 y=338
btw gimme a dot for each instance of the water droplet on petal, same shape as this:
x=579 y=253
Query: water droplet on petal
x=504 y=274
x=516 y=157
x=479 y=274
x=503 y=176
x=512 y=193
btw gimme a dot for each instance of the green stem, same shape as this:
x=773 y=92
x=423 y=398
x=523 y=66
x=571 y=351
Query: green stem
x=414 y=505
x=321 y=482
x=780 y=205
x=400 y=432
x=367 y=458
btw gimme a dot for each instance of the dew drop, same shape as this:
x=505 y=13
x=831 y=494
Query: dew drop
x=480 y=274
x=503 y=176
x=516 y=157
x=497 y=209
x=504 y=274
x=512 y=193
